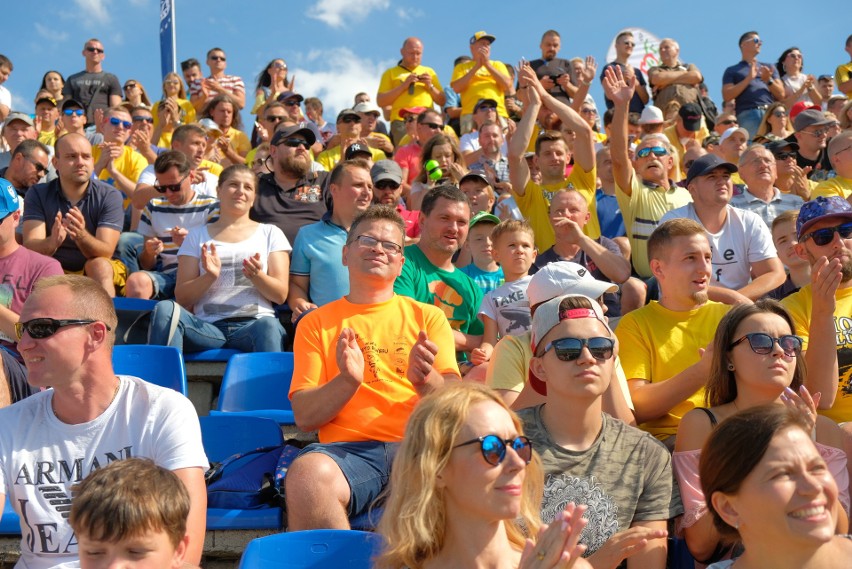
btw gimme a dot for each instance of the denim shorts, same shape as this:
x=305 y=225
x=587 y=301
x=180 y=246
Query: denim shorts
x=164 y=283
x=366 y=466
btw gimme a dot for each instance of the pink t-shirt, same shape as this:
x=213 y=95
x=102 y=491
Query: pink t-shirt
x=409 y=157
x=18 y=273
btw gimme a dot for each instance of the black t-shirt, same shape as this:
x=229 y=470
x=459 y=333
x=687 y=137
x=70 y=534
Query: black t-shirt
x=553 y=68
x=92 y=90
x=290 y=209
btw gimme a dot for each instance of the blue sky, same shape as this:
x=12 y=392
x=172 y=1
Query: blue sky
x=339 y=47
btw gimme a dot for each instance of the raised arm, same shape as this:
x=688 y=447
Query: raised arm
x=519 y=172
x=619 y=91
x=821 y=355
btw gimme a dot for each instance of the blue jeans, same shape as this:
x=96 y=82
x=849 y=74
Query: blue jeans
x=750 y=120
x=192 y=334
x=128 y=250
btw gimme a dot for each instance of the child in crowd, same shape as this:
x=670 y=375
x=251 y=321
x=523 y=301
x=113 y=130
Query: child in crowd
x=483 y=269
x=505 y=311
x=479 y=192
x=131 y=513
x=785 y=240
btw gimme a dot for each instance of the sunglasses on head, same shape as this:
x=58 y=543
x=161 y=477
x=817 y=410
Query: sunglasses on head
x=74 y=112
x=163 y=188
x=825 y=235
x=114 y=121
x=569 y=349
x=494 y=448
x=294 y=143
x=39 y=328
x=761 y=343
x=657 y=150
x=149 y=120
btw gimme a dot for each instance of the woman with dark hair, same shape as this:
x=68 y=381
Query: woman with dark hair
x=232 y=143
x=53 y=82
x=465 y=491
x=271 y=82
x=798 y=87
x=444 y=151
x=770 y=488
x=757 y=360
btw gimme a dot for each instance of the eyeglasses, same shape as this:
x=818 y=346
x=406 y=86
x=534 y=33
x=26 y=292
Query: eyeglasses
x=291 y=103
x=149 y=120
x=388 y=247
x=816 y=133
x=494 y=448
x=763 y=344
x=114 y=121
x=41 y=169
x=433 y=126
x=386 y=185
x=657 y=150
x=785 y=155
x=569 y=349
x=779 y=114
x=172 y=82
x=91 y=49
x=275 y=118
x=129 y=86
x=729 y=121
x=825 y=235
x=486 y=108
x=294 y=143
x=218 y=58
x=40 y=328
x=588 y=111
x=163 y=188
x=74 y=112
x=350 y=119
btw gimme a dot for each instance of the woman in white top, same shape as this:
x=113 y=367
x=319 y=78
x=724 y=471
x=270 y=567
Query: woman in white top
x=798 y=86
x=230 y=273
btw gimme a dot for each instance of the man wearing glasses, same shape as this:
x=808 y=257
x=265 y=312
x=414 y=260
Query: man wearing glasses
x=811 y=133
x=362 y=363
x=348 y=133
x=116 y=163
x=821 y=310
x=624 y=44
x=93 y=87
x=30 y=162
x=752 y=84
x=202 y=90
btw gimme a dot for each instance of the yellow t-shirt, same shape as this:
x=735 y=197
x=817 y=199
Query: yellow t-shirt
x=47 y=137
x=642 y=211
x=535 y=205
x=421 y=97
x=671 y=134
x=658 y=343
x=386 y=332
x=130 y=164
x=799 y=305
x=837 y=186
x=212 y=167
x=842 y=74
x=329 y=158
x=448 y=130
x=239 y=141
x=482 y=86
x=187 y=113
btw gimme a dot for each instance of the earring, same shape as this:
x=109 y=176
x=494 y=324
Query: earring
x=730 y=366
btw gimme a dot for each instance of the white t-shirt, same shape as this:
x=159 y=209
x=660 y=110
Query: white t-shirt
x=233 y=295
x=509 y=306
x=470 y=143
x=743 y=240
x=205 y=188
x=5 y=97
x=41 y=457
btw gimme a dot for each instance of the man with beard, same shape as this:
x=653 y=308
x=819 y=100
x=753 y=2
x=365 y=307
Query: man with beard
x=554 y=72
x=669 y=358
x=821 y=309
x=292 y=195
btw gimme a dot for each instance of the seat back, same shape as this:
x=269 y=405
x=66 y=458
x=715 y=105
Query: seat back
x=313 y=549
x=259 y=380
x=160 y=365
x=227 y=435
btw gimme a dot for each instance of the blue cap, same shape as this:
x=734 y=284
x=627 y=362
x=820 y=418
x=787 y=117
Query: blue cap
x=706 y=164
x=9 y=201
x=821 y=208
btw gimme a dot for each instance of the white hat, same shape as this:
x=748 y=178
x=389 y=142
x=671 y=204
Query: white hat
x=651 y=115
x=565 y=277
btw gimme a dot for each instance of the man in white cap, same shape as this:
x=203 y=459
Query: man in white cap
x=651 y=120
x=370 y=114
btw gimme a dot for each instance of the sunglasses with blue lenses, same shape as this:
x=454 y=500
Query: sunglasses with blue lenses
x=117 y=121
x=494 y=448
x=825 y=235
x=569 y=349
x=75 y=112
x=657 y=150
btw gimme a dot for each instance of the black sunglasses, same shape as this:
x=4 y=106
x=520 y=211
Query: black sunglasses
x=94 y=49
x=149 y=120
x=41 y=169
x=39 y=328
x=762 y=344
x=163 y=188
x=275 y=118
x=785 y=155
x=494 y=448
x=294 y=143
x=825 y=235
x=386 y=185
x=569 y=349
x=432 y=125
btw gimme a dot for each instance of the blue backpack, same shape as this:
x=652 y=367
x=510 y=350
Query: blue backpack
x=253 y=479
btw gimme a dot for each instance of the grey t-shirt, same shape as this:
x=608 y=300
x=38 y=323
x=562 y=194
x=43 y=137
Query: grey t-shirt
x=624 y=477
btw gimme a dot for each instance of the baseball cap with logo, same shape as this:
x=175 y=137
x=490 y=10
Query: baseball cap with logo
x=357 y=149
x=9 y=201
x=481 y=35
x=690 y=114
x=299 y=128
x=564 y=277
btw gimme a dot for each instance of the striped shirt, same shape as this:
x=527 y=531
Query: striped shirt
x=159 y=217
x=231 y=83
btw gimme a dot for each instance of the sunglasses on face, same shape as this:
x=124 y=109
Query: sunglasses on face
x=118 y=122
x=291 y=103
x=588 y=111
x=218 y=57
x=432 y=125
x=785 y=155
x=487 y=108
x=410 y=118
x=756 y=40
x=91 y=49
x=729 y=121
x=657 y=150
x=779 y=114
x=569 y=349
x=73 y=112
x=39 y=328
x=817 y=133
x=171 y=82
x=294 y=143
x=41 y=170
x=350 y=119
x=129 y=86
x=149 y=120
x=163 y=188
x=386 y=185
x=275 y=118
x=279 y=66
x=389 y=247
x=494 y=448
x=761 y=343
x=825 y=235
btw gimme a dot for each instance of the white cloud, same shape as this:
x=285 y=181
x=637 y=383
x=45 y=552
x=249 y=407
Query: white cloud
x=51 y=34
x=338 y=77
x=95 y=11
x=409 y=14
x=337 y=12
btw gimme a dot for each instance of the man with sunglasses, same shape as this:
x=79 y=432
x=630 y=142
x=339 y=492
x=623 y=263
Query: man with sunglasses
x=791 y=178
x=20 y=268
x=348 y=133
x=30 y=163
x=587 y=455
x=94 y=87
x=752 y=84
x=141 y=134
x=821 y=309
x=72 y=117
x=811 y=134
x=362 y=363
x=840 y=154
x=90 y=417
x=624 y=44
x=387 y=190
x=201 y=90
x=116 y=163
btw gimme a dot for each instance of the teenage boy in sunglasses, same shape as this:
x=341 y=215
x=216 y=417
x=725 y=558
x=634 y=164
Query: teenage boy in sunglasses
x=72 y=118
x=642 y=187
x=95 y=88
x=821 y=309
x=587 y=455
x=840 y=154
x=90 y=417
x=116 y=163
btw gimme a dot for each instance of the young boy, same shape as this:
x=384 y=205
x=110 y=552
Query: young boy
x=483 y=269
x=505 y=311
x=785 y=240
x=479 y=192
x=131 y=513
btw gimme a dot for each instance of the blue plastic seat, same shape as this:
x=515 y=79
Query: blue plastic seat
x=257 y=385
x=10 y=523
x=227 y=435
x=215 y=355
x=313 y=549
x=160 y=365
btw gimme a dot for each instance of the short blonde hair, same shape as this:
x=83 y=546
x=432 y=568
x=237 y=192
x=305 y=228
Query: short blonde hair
x=89 y=299
x=512 y=226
